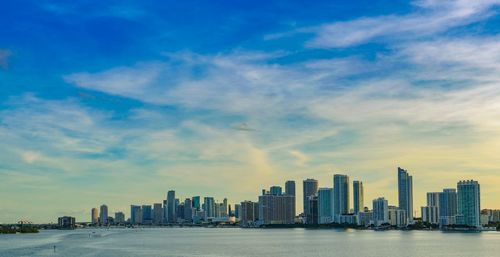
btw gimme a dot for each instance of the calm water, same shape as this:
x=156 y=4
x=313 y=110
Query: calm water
x=249 y=242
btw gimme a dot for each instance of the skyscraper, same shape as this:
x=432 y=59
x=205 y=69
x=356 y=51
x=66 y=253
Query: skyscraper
x=290 y=190
x=188 y=210
x=358 y=195
x=157 y=213
x=119 y=217
x=310 y=188
x=171 y=207
x=147 y=215
x=447 y=207
x=224 y=211
x=405 y=192
x=209 y=208
x=275 y=190
x=430 y=213
x=249 y=213
x=103 y=215
x=380 y=211
x=468 y=203
x=276 y=209
x=325 y=197
x=135 y=214
x=312 y=218
x=340 y=196
x=94 y=216
x=196 y=202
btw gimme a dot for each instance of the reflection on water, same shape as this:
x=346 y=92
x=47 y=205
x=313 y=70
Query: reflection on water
x=248 y=242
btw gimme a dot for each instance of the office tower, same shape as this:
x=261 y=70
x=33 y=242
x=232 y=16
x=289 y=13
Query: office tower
x=209 y=208
x=224 y=208
x=312 y=218
x=237 y=211
x=179 y=212
x=392 y=212
x=325 y=197
x=249 y=213
x=188 y=210
x=405 y=192
x=290 y=187
x=103 y=215
x=230 y=211
x=310 y=188
x=447 y=207
x=165 y=219
x=66 y=222
x=276 y=209
x=340 y=196
x=275 y=190
x=147 y=215
x=380 y=211
x=290 y=190
x=135 y=214
x=358 y=195
x=94 y=216
x=196 y=202
x=430 y=214
x=119 y=217
x=171 y=207
x=433 y=198
x=157 y=213
x=397 y=217
x=468 y=203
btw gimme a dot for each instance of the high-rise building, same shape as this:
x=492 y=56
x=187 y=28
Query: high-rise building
x=94 y=216
x=224 y=211
x=196 y=202
x=157 y=213
x=249 y=213
x=209 y=208
x=66 y=222
x=171 y=207
x=469 y=203
x=237 y=211
x=188 y=210
x=135 y=214
x=430 y=214
x=290 y=187
x=380 y=211
x=147 y=215
x=405 y=192
x=433 y=198
x=103 y=215
x=119 y=217
x=275 y=190
x=325 y=197
x=340 y=196
x=312 y=218
x=358 y=195
x=310 y=188
x=448 y=207
x=276 y=209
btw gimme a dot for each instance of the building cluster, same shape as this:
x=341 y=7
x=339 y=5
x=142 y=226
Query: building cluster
x=321 y=205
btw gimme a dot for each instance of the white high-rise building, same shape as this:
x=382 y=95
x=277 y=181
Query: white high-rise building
x=430 y=214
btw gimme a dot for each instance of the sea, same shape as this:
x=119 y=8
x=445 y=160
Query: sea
x=220 y=242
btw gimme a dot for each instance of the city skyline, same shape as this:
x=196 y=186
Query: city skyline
x=118 y=102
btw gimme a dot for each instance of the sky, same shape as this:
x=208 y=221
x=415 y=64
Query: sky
x=118 y=102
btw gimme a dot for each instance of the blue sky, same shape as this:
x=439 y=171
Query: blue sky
x=119 y=101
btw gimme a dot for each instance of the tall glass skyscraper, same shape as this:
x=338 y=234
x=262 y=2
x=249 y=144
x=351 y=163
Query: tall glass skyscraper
x=380 y=211
x=196 y=202
x=103 y=215
x=358 y=195
x=325 y=197
x=468 y=203
x=340 y=196
x=209 y=205
x=171 y=206
x=290 y=187
x=447 y=207
x=310 y=188
x=405 y=192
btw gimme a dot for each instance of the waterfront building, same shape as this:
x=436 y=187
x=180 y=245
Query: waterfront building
x=340 y=196
x=405 y=192
x=103 y=215
x=94 y=216
x=66 y=222
x=364 y=218
x=380 y=211
x=237 y=211
x=249 y=213
x=310 y=188
x=312 y=218
x=209 y=208
x=325 y=197
x=433 y=199
x=276 y=209
x=468 y=203
x=171 y=207
x=188 y=210
x=135 y=214
x=392 y=212
x=351 y=219
x=358 y=195
x=157 y=213
x=290 y=190
x=401 y=218
x=430 y=214
x=119 y=218
x=147 y=215
x=225 y=212
x=448 y=207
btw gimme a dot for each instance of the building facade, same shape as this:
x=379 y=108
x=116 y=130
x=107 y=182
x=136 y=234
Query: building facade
x=358 y=195
x=310 y=188
x=405 y=192
x=325 y=205
x=340 y=196
x=469 y=203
